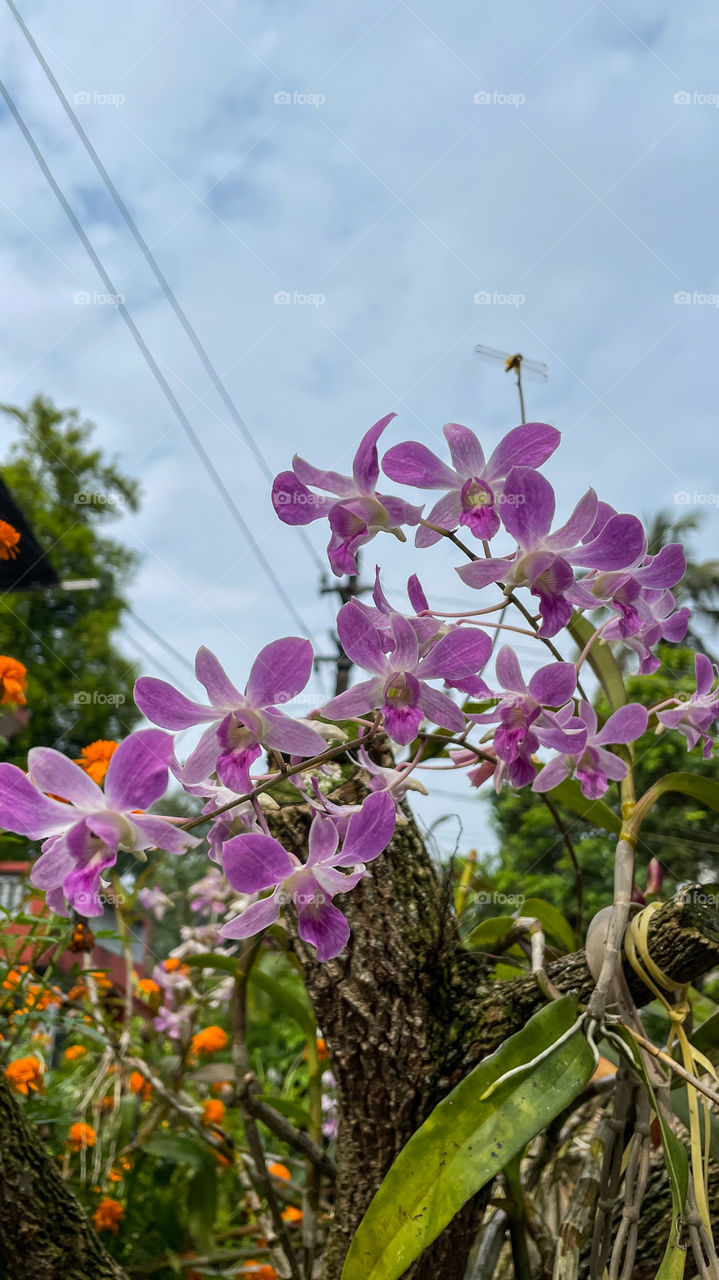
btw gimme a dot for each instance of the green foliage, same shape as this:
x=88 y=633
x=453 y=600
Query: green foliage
x=79 y=685
x=469 y=1137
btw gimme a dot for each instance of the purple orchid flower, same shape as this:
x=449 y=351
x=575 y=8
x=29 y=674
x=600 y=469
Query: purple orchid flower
x=82 y=835
x=156 y=901
x=544 y=560
x=474 y=487
x=356 y=514
x=694 y=717
x=658 y=620
x=593 y=765
x=256 y=862
x=625 y=590
x=399 y=684
x=521 y=711
x=239 y=724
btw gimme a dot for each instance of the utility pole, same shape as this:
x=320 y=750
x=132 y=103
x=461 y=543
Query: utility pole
x=347 y=589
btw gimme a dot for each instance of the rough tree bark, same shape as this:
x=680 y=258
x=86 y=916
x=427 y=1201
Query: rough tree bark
x=406 y=1013
x=44 y=1233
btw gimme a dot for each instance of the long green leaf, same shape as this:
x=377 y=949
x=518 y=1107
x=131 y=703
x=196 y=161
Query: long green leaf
x=467 y=1139
x=551 y=920
x=285 y=1000
x=569 y=793
x=601 y=660
x=689 y=784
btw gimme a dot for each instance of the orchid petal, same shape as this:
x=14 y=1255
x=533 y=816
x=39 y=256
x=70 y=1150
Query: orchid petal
x=466 y=452
x=554 y=684
x=551 y=775
x=166 y=706
x=414 y=464
x=252 y=862
x=365 y=467
x=294 y=503
x=369 y=831
x=258 y=916
x=528 y=445
x=25 y=810
x=462 y=652
x=279 y=672
x=137 y=773
x=220 y=689
x=324 y=927
x=53 y=773
x=528 y=506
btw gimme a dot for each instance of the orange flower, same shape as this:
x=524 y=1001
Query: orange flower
x=14 y=976
x=148 y=987
x=74 y=1051
x=138 y=1084
x=279 y=1171
x=213 y=1111
x=25 y=1075
x=211 y=1040
x=108 y=1214
x=95 y=758
x=258 y=1270
x=108 y=1102
x=290 y=1214
x=13 y=675
x=219 y=1086
x=171 y=964
x=9 y=538
x=321 y=1049
x=82 y=1135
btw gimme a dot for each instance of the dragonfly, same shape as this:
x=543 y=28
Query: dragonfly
x=515 y=363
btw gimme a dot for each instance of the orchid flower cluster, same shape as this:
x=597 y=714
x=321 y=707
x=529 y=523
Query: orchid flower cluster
x=424 y=669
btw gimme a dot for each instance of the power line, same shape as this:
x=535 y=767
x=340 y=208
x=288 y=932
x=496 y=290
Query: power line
x=153 y=365
x=157 y=664
x=168 y=292
x=160 y=640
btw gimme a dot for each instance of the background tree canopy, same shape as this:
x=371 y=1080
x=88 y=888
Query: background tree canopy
x=79 y=684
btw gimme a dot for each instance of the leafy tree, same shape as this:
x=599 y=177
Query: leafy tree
x=79 y=684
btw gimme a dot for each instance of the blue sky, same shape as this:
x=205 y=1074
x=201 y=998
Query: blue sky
x=583 y=187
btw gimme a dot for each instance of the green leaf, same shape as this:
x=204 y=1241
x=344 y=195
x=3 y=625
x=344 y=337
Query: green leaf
x=601 y=660
x=286 y=1000
x=689 y=784
x=469 y=1137
x=551 y=920
x=488 y=933
x=569 y=793
x=176 y=1147
x=213 y=960
x=202 y=1204
x=706 y=1037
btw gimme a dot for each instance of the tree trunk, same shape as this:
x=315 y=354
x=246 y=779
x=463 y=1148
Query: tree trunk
x=406 y=1013
x=44 y=1233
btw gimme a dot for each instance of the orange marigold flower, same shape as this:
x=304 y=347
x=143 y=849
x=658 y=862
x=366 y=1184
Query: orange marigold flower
x=82 y=1135
x=220 y=1085
x=290 y=1214
x=13 y=678
x=321 y=1049
x=95 y=758
x=279 y=1171
x=138 y=1084
x=171 y=964
x=108 y=1102
x=9 y=538
x=78 y=992
x=74 y=1051
x=25 y=1075
x=222 y=1160
x=258 y=1270
x=213 y=1111
x=14 y=976
x=108 y=1214
x=148 y=987
x=211 y=1040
